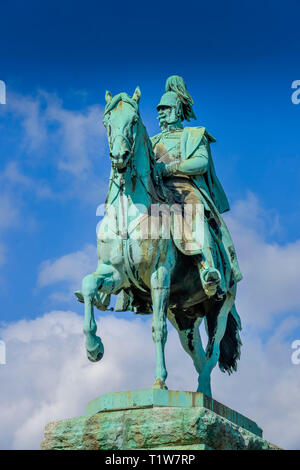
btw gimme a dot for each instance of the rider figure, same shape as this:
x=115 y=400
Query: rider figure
x=185 y=166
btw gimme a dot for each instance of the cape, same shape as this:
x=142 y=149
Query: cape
x=190 y=140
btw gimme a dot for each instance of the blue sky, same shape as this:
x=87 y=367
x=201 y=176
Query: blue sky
x=239 y=62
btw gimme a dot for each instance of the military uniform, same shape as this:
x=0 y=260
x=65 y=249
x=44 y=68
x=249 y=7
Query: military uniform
x=203 y=188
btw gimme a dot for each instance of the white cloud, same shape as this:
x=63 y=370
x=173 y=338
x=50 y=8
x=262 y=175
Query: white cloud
x=28 y=110
x=8 y=212
x=12 y=175
x=68 y=270
x=46 y=122
x=271 y=271
x=71 y=140
x=9 y=217
x=81 y=134
x=2 y=254
x=48 y=377
x=12 y=215
x=47 y=362
x=13 y=179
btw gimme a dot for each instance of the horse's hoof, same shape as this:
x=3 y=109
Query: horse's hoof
x=159 y=385
x=95 y=355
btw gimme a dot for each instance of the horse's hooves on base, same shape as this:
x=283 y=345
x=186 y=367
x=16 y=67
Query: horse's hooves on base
x=205 y=390
x=159 y=385
x=207 y=394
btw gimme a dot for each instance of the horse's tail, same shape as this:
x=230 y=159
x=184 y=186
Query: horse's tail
x=230 y=346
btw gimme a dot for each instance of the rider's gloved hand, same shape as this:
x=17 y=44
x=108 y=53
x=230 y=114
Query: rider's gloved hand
x=172 y=168
x=159 y=171
x=162 y=170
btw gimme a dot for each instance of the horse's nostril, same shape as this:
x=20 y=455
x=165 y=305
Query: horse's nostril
x=119 y=155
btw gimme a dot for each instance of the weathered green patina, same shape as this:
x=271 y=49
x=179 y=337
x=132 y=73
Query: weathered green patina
x=156 y=419
x=152 y=398
x=185 y=277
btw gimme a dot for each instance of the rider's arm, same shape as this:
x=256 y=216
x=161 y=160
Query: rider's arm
x=195 y=165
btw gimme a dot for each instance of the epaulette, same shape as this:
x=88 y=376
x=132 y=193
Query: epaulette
x=203 y=131
x=155 y=139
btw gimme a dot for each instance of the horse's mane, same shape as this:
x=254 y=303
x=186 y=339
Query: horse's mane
x=120 y=97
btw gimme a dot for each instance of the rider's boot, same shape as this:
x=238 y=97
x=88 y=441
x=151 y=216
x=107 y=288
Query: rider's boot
x=211 y=279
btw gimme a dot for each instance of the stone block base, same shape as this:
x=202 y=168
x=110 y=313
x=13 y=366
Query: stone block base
x=156 y=420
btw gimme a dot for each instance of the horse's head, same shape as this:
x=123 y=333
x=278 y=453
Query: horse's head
x=121 y=117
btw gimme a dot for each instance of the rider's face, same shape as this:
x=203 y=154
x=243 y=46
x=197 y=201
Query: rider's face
x=166 y=115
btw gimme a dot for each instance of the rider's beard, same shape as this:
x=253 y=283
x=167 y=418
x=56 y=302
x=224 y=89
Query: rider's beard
x=168 y=119
x=163 y=123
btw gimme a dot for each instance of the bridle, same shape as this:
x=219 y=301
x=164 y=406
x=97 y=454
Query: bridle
x=134 y=174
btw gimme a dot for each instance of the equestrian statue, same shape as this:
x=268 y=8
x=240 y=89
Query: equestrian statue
x=163 y=247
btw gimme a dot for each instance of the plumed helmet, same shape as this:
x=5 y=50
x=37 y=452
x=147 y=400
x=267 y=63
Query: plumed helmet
x=177 y=95
x=168 y=99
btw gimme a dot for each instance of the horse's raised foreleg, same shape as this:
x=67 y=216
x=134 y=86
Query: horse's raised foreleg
x=106 y=279
x=93 y=344
x=160 y=291
x=214 y=353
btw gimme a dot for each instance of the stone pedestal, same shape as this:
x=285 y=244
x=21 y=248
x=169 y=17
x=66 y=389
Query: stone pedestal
x=156 y=419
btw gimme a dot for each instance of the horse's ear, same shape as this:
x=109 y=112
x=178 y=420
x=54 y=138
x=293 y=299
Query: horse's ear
x=137 y=94
x=108 y=96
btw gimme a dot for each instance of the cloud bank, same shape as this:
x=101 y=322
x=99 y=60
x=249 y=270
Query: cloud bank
x=48 y=377
x=70 y=143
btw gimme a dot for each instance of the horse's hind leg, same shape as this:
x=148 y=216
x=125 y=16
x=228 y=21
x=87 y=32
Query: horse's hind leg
x=189 y=335
x=204 y=385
